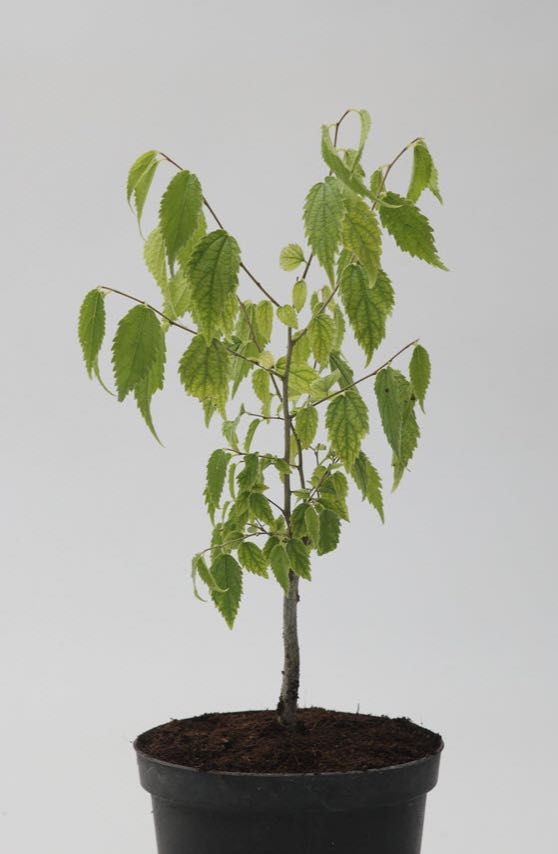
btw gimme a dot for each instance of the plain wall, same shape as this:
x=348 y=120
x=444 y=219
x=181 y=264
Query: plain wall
x=447 y=613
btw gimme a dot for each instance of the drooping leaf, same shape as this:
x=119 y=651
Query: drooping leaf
x=338 y=167
x=260 y=384
x=393 y=392
x=91 y=327
x=248 y=439
x=228 y=575
x=264 y=321
x=252 y=558
x=301 y=378
x=362 y=235
x=369 y=482
x=146 y=388
x=409 y=439
x=249 y=475
x=419 y=371
x=287 y=315
x=333 y=493
x=140 y=178
x=306 y=425
x=204 y=371
x=180 y=212
x=321 y=332
x=323 y=214
x=410 y=229
x=424 y=175
x=215 y=479
x=299 y=294
x=299 y=558
x=155 y=258
x=365 y=125
x=137 y=343
x=376 y=183
x=321 y=387
x=330 y=527
x=213 y=271
x=261 y=508
x=347 y=424
x=178 y=296
x=366 y=307
x=291 y=257
x=312 y=521
x=280 y=565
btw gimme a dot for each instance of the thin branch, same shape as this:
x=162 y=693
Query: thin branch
x=232 y=542
x=261 y=456
x=220 y=224
x=264 y=417
x=366 y=376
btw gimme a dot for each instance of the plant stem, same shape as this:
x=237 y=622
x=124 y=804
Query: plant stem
x=288 y=701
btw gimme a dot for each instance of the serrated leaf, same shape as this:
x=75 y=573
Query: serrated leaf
x=240 y=368
x=204 y=371
x=252 y=558
x=215 y=479
x=376 y=183
x=330 y=527
x=347 y=424
x=137 y=343
x=179 y=213
x=250 y=473
x=333 y=494
x=410 y=229
x=321 y=387
x=306 y=425
x=287 y=315
x=369 y=482
x=365 y=125
x=266 y=360
x=338 y=167
x=291 y=257
x=155 y=258
x=301 y=377
x=264 y=321
x=419 y=371
x=424 y=175
x=300 y=291
x=339 y=321
x=146 y=388
x=393 y=393
x=321 y=333
x=249 y=438
x=299 y=558
x=140 y=178
x=312 y=521
x=323 y=214
x=178 y=296
x=409 y=439
x=362 y=235
x=213 y=271
x=261 y=508
x=260 y=384
x=91 y=327
x=228 y=575
x=367 y=308
x=280 y=565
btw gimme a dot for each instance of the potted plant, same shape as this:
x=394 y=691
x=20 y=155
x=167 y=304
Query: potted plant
x=300 y=780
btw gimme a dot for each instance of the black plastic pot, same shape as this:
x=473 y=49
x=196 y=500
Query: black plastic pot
x=368 y=812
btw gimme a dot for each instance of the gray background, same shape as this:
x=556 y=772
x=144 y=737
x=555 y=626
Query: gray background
x=445 y=614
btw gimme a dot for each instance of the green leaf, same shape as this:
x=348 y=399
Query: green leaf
x=419 y=370
x=180 y=212
x=280 y=565
x=321 y=332
x=369 y=482
x=347 y=424
x=301 y=377
x=204 y=371
x=340 y=169
x=91 y=327
x=264 y=321
x=260 y=384
x=140 y=178
x=306 y=425
x=146 y=388
x=287 y=315
x=362 y=235
x=366 y=307
x=323 y=214
x=300 y=291
x=250 y=474
x=291 y=257
x=312 y=521
x=215 y=480
x=410 y=229
x=254 y=424
x=393 y=393
x=179 y=296
x=425 y=175
x=321 y=387
x=261 y=508
x=365 y=125
x=333 y=494
x=376 y=183
x=330 y=527
x=409 y=439
x=228 y=575
x=137 y=343
x=299 y=558
x=213 y=271
x=252 y=558
x=155 y=258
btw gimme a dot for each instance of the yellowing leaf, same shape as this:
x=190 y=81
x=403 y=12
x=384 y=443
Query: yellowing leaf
x=291 y=257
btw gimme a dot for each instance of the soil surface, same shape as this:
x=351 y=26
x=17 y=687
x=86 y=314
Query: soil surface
x=255 y=742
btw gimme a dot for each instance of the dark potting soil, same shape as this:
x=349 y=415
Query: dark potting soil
x=322 y=741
